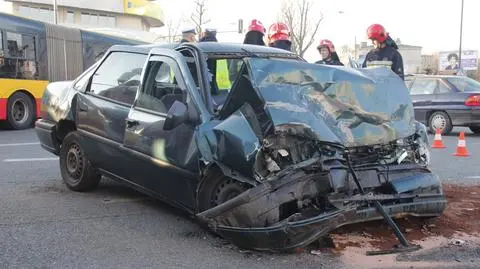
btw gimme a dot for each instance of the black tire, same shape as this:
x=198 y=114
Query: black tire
x=440 y=120
x=218 y=189
x=475 y=129
x=20 y=111
x=77 y=171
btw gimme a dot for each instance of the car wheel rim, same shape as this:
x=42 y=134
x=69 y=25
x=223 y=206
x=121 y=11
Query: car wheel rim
x=19 y=111
x=439 y=122
x=225 y=191
x=75 y=162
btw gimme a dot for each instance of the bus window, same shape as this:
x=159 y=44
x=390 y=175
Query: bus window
x=21 y=46
x=19 y=57
x=1 y=44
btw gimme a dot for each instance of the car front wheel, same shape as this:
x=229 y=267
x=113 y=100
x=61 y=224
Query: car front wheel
x=77 y=171
x=475 y=129
x=440 y=120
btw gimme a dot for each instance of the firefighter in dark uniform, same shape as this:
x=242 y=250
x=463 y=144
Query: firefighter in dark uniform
x=328 y=53
x=279 y=36
x=188 y=35
x=385 y=51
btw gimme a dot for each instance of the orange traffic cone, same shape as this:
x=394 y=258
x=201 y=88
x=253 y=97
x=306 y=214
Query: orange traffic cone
x=438 y=143
x=462 y=146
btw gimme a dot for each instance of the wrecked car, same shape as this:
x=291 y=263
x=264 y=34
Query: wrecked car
x=288 y=153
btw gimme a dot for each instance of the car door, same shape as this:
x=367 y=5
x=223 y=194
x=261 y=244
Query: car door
x=422 y=92
x=165 y=161
x=103 y=108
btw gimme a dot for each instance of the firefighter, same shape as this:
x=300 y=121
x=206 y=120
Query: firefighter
x=328 y=53
x=279 y=36
x=255 y=34
x=188 y=35
x=385 y=51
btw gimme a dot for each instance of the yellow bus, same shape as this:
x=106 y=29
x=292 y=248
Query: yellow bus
x=34 y=53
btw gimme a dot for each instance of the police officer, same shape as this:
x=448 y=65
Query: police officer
x=279 y=36
x=385 y=51
x=328 y=53
x=188 y=35
x=209 y=35
x=220 y=75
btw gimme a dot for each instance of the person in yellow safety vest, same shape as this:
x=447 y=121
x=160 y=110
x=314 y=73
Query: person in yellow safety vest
x=218 y=67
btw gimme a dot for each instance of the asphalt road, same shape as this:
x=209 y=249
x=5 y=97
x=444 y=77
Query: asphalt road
x=44 y=225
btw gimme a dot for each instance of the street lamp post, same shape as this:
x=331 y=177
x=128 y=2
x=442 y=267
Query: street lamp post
x=461 y=33
x=55 y=11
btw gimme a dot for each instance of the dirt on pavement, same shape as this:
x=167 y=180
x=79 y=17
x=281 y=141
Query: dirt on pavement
x=462 y=214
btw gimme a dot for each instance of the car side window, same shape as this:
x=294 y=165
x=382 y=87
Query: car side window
x=161 y=88
x=423 y=86
x=442 y=88
x=84 y=79
x=118 y=77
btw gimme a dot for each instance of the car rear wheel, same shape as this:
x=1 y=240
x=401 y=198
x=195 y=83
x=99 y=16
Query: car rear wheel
x=440 y=120
x=475 y=129
x=20 y=111
x=77 y=171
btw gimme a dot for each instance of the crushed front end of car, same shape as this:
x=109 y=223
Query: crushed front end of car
x=287 y=130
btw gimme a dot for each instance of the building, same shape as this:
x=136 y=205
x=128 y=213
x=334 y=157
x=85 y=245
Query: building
x=412 y=56
x=133 y=15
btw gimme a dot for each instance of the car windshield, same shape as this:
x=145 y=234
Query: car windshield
x=465 y=84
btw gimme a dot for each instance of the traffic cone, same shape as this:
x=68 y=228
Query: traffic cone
x=438 y=143
x=462 y=146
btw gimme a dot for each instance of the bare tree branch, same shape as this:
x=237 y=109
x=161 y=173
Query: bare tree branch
x=304 y=24
x=172 y=29
x=199 y=16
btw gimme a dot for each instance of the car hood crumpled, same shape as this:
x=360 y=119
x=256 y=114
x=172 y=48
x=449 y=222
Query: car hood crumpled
x=327 y=103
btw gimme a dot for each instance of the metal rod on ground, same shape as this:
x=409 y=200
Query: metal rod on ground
x=403 y=240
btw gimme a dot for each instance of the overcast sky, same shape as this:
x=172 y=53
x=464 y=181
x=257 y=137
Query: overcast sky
x=432 y=24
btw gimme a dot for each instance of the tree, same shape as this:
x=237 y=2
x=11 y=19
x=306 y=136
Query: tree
x=303 y=23
x=199 y=16
x=172 y=30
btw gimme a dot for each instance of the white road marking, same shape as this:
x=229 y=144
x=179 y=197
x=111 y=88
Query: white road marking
x=30 y=160
x=19 y=144
x=474 y=177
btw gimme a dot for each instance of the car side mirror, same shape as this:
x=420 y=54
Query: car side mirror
x=177 y=114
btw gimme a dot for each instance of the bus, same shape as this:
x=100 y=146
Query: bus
x=34 y=53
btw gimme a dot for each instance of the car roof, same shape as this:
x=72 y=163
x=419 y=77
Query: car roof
x=207 y=47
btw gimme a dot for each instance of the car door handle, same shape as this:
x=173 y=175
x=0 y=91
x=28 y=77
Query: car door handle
x=131 y=123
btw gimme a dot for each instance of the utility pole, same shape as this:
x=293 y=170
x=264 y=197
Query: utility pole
x=55 y=11
x=461 y=33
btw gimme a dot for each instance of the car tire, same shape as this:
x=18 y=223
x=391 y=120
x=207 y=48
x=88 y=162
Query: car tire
x=440 y=120
x=218 y=189
x=475 y=129
x=77 y=171
x=20 y=111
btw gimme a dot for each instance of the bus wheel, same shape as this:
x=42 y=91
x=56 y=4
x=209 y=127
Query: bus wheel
x=20 y=111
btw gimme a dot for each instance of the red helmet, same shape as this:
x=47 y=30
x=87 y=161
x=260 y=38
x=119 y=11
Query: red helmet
x=256 y=25
x=278 y=31
x=328 y=44
x=377 y=32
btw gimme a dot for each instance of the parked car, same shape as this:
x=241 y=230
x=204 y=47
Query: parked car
x=445 y=101
x=268 y=163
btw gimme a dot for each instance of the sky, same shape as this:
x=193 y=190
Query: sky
x=432 y=24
